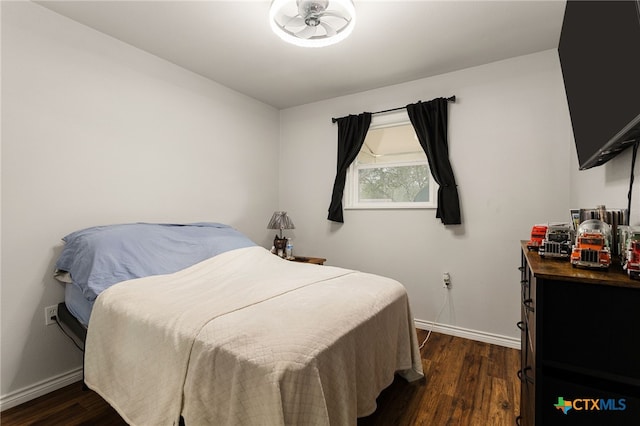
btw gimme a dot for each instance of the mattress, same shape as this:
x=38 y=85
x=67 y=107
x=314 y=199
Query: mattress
x=77 y=304
x=248 y=338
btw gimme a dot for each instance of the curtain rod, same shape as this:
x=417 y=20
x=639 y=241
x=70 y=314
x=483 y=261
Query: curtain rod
x=450 y=99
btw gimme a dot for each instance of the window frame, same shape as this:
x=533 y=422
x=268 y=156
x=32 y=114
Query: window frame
x=351 y=193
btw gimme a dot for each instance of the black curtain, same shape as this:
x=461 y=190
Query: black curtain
x=352 y=130
x=429 y=119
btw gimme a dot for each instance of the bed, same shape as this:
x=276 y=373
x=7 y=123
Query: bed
x=197 y=324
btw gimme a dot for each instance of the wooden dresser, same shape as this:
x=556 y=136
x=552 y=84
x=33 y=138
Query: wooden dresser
x=580 y=344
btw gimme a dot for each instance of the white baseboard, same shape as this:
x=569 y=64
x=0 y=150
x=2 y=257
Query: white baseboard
x=481 y=336
x=38 y=389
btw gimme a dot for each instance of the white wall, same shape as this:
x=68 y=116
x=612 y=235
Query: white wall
x=510 y=142
x=94 y=132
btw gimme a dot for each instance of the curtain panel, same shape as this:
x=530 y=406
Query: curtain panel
x=430 y=120
x=352 y=131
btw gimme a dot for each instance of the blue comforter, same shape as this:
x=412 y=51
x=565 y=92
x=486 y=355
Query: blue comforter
x=101 y=256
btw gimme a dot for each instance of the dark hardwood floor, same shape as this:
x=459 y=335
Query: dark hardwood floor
x=467 y=383
x=69 y=406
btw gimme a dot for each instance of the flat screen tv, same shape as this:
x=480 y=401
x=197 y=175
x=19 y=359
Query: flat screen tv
x=599 y=54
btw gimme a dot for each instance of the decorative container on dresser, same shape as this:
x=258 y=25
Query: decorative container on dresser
x=580 y=358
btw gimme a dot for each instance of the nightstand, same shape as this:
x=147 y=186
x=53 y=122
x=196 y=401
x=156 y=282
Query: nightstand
x=314 y=260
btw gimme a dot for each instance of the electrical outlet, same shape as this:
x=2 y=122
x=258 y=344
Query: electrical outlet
x=50 y=312
x=446 y=280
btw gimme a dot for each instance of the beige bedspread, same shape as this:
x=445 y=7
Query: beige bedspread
x=248 y=338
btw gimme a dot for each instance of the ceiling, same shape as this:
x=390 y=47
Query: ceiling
x=393 y=42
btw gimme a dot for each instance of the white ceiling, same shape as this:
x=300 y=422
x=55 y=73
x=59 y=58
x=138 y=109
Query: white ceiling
x=231 y=42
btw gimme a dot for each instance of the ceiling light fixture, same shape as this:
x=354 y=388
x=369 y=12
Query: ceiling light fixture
x=312 y=23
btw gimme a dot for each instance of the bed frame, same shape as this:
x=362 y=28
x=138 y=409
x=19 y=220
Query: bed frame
x=67 y=318
x=77 y=328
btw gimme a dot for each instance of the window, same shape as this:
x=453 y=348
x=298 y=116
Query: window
x=391 y=170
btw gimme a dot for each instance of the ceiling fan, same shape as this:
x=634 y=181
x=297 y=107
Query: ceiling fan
x=312 y=23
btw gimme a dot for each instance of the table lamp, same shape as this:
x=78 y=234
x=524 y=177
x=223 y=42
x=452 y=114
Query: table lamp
x=280 y=221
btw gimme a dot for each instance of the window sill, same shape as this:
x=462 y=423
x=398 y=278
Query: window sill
x=396 y=206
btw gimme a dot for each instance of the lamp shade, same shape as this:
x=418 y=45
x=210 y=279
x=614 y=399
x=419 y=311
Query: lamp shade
x=280 y=221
